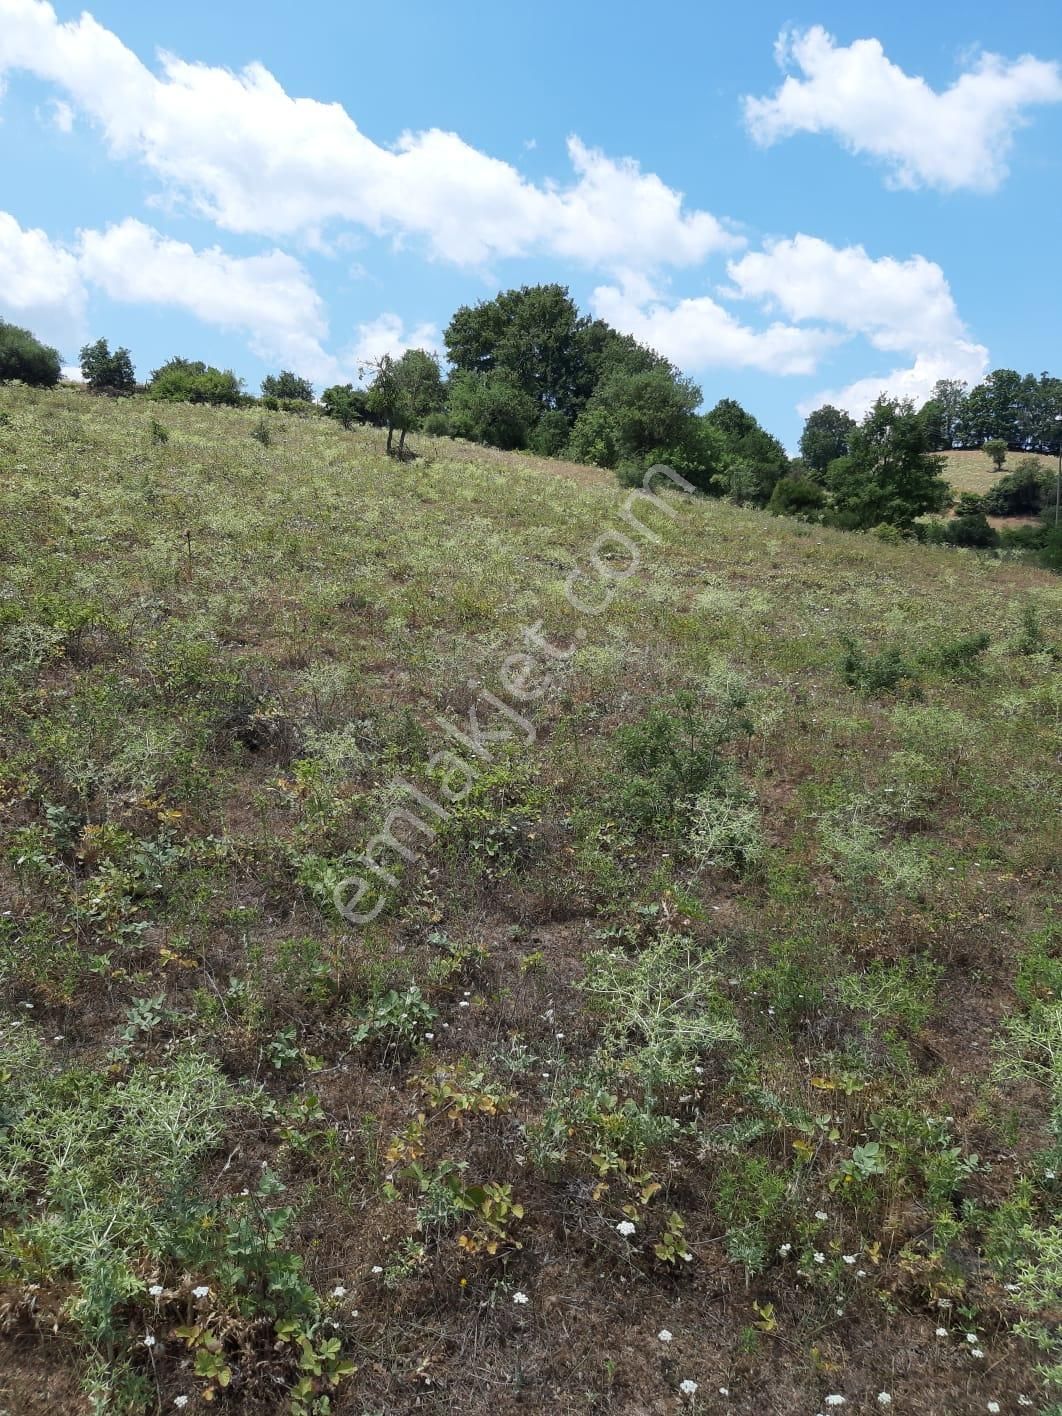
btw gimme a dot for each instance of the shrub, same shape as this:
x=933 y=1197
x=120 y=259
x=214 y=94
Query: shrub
x=875 y=673
x=549 y=437
x=436 y=425
x=192 y=381
x=796 y=496
x=24 y=357
x=1022 y=492
x=971 y=531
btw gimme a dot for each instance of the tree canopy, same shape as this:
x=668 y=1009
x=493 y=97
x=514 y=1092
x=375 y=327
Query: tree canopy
x=287 y=385
x=192 y=381
x=24 y=357
x=105 y=372
x=890 y=476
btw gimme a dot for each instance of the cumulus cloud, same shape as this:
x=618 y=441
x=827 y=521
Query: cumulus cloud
x=956 y=138
x=828 y=295
x=968 y=362
x=699 y=333
x=40 y=283
x=387 y=334
x=269 y=297
x=256 y=160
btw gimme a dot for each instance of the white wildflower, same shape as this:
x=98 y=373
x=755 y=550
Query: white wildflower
x=149 y=1340
x=625 y=1227
x=201 y=1292
x=884 y=1399
x=155 y=1290
x=520 y=1299
x=942 y=1332
x=993 y=1406
x=664 y=1335
x=976 y=1352
x=339 y=1291
x=821 y=1214
x=180 y=1402
x=971 y=1337
x=376 y=1268
x=835 y=1400
x=819 y=1257
x=687 y=1387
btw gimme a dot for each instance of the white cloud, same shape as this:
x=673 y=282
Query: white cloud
x=698 y=333
x=270 y=297
x=957 y=138
x=387 y=335
x=895 y=304
x=962 y=361
x=61 y=116
x=40 y=284
x=254 y=159
x=829 y=295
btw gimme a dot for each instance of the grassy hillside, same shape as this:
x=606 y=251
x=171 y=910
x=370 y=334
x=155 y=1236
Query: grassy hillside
x=712 y=1040
x=974 y=471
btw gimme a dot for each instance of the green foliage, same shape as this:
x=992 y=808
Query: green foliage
x=105 y=372
x=876 y=673
x=403 y=391
x=490 y=408
x=674 y=756
x=997 y=451
x=826 y=437
x=191 y=381
x=347 y=404
x=1022 y=492
x=287 y=385
x=752 y=460
x=889 y=474
x=796 y=496
x=971 y=530
x=25 y=358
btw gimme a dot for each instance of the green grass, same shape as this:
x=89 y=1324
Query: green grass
x=975 y=471
x=745 y=922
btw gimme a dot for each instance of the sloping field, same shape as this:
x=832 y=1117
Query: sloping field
x=974 y=471
x=701 y=1050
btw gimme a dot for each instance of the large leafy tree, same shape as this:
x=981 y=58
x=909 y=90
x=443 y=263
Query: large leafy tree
x=105 y=372
x=287 y=385
x=24 y=357
x=633 y=416
x=890 y=475
x=944 y=414
x=532 y=335
x=825 y=437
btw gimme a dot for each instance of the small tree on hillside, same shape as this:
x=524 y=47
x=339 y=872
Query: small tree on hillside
x=287 y=385
x=403 y=391
x=105 y=372
x=997 y=451
x=24 y=357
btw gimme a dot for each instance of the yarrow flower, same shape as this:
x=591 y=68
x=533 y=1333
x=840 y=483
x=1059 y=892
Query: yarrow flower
x=377 y=1269
x=993 y=1406
x=149 y=1340
x=819 y=1258
x=664 y=1335
x=521 y=1299
x=971 y=1337
x=942 y=1332
x=687 y=1387
x=625 y=1227
x=339 y=1291
x=976 y=1352
x=821 y=1214
x=835 y=1400
x=201 y=1292
x=884 y=1399
x=155 y=1290
x=180 y=1402
x=784 y=1249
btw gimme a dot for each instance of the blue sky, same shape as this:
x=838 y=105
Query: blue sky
x=791 y=205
